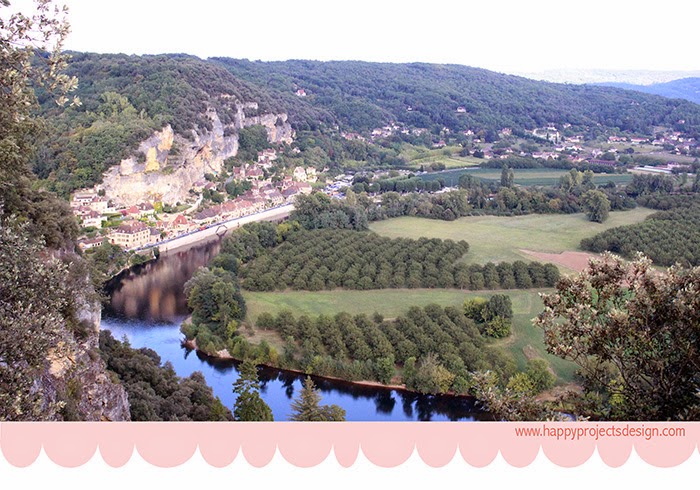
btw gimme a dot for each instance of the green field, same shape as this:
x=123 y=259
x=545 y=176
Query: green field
x=524 y=177
x=491 y=238
x=500 y=238
x=388 y=302
x=526 y=340
x=417 y=156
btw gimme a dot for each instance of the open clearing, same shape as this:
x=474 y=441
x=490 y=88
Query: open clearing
x=388 y=302
x=449 y=156
x=505 y=238
x=524 y=343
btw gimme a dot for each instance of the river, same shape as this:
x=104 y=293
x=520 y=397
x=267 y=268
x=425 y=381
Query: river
x=147 y=306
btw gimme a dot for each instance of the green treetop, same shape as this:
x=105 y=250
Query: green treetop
x=307 y=407
x=249 y=407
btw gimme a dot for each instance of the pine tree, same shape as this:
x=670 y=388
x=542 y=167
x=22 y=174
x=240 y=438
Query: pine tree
x=307 y=407
x=249 y=407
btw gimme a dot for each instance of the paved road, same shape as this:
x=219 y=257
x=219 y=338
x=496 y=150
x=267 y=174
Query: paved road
x=220 y=229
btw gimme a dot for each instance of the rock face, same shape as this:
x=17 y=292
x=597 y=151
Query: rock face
x=173 y=164
x=77 y=376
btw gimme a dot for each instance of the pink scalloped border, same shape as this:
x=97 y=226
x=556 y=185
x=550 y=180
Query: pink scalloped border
x=170 y=444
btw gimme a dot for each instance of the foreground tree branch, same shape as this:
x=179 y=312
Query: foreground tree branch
x=635 y=333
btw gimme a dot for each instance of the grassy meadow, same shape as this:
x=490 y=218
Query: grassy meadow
x=500 y=238
x=417 y=156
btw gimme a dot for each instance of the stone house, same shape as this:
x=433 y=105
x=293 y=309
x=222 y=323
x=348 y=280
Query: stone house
x=131 y=235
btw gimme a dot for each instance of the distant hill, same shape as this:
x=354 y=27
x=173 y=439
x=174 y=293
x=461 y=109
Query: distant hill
x=685 y=88
x=127 y=98
x=367 y=95
x=634 y=77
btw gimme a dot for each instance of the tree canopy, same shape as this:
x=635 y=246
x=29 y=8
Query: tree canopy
x=155 y=392
x=31 y=60
x=635 y=334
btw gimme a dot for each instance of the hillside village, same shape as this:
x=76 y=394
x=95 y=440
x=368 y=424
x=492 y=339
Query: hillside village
x=149 y=223
x=557 y=142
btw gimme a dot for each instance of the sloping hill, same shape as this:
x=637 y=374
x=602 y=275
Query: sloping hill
x=685 y=88
x=128 y=98
x=125 y=99
x=366 y=95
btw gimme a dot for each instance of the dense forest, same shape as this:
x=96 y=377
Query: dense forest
x=368 y=95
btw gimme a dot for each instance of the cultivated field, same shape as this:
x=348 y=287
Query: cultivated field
x=388 y=302
x=503 y=238
x=526 y=340
x=491 y=239
x=417 y=156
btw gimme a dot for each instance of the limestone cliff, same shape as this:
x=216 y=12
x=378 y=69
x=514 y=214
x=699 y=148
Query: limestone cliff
x=169 y=164
x=76 y=384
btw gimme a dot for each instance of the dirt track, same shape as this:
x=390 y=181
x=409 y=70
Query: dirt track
x=576 y=261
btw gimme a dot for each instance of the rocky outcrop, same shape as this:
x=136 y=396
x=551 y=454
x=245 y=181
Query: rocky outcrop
x=168 y=165
x=76 y=384
x=278 y=129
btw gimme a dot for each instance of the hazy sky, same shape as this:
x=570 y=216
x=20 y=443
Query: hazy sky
x=502 y=35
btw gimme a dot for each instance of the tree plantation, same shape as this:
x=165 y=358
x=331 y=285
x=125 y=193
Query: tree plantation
x=431 y=349
x=434 y=348
x=666 y=237
x=329 y=259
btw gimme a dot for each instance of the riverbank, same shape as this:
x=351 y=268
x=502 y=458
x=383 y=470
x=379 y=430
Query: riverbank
x=225 y=356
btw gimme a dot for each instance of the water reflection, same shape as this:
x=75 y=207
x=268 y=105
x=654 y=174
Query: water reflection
x=154 y=291
x=360 y=398
x=385 y=403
